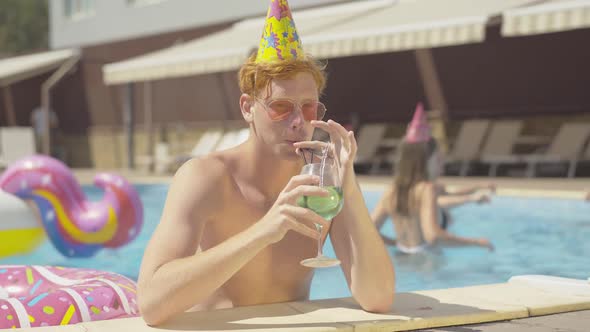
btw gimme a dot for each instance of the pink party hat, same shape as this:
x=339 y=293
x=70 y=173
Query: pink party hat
x=418 y=130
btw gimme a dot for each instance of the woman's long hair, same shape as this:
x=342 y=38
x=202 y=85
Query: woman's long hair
x=411 y=168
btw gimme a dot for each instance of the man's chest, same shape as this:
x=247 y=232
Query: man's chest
x=245 y=208
x=277 y=264
x=243 y=214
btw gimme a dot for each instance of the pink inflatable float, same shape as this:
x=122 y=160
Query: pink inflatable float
x=32 y=296
x=76 y=227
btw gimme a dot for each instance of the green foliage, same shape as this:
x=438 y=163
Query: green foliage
x=24 y=26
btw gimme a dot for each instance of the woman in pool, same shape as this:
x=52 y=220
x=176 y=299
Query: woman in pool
x=412 y=199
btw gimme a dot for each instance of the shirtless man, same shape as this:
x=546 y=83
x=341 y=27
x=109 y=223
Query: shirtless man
x=231 y=233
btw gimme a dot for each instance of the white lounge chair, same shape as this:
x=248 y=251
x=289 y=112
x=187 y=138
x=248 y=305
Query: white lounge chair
x=566 y=147
x=368 y=140
x=499 y=144
x=232 y=138
x=467 y=145
x=16 y=143
x=207 y=143
x=163 y=160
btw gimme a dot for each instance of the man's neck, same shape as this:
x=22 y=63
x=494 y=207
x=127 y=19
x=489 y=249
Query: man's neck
x=266 y=170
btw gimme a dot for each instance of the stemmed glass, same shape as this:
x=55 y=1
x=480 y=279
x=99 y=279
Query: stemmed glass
x=327 y=207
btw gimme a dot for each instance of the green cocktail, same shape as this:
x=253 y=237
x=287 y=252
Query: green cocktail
x=327 y=207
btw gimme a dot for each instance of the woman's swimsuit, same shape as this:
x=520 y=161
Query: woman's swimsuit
x=445 y=219
x=412 y=250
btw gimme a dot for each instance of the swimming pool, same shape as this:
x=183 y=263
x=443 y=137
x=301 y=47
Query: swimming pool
x=531 y=235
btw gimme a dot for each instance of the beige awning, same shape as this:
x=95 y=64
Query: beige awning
x=19 y=68
x=410 y=24
x=550 y=16
x=228 y=49
x=356 y=28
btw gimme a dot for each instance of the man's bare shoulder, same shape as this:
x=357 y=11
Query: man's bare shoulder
x=207 y=171
x=201 y=182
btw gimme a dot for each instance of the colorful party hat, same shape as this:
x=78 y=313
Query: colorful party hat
x=280 y=40
x=418 y=130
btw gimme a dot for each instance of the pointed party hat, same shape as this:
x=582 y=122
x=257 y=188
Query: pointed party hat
x=279 y=40
x=418 y=130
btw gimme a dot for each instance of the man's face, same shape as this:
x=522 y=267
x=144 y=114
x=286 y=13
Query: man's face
x=280 y=134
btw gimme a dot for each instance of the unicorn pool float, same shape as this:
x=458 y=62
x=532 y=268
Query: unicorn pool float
x=43 y=296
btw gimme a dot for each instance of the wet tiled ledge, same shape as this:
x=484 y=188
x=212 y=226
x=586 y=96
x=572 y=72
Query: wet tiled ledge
x=413 y=310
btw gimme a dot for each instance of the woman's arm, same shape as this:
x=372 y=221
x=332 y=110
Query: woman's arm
x=433 y=233
x=380 y=212
x=443 y=190
x=452 y=201
x=379 y=216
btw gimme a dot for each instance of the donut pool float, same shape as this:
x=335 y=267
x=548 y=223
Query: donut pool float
x=32 y=296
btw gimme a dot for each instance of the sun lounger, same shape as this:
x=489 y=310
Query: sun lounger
x=499 y=144
x=16 y=143
x=466 y=147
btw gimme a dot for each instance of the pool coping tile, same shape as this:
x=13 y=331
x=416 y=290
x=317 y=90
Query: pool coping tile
x=262 y=318
x=412 y=310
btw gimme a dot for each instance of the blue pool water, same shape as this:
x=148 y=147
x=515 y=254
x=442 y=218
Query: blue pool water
x=531 y=235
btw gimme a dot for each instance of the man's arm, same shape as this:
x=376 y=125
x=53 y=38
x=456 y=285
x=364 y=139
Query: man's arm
x=173 y=277
x=365 y=260
x=357 y=243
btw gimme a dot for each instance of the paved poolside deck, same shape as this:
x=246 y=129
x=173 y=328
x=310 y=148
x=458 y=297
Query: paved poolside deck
x=577 y=321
